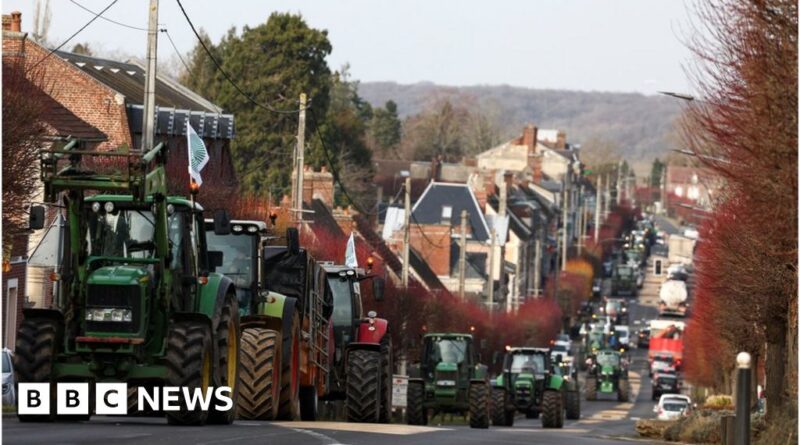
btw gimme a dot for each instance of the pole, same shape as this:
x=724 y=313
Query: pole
x=619 y=183
x=406 y=231
x=148 y=118
x=537 y=266
x=743 y=382
x=581 y=219
x=462 y=256
x=607 y=196
x=664 y=189
x=300 y=157
x=597 y=207
x=493 y=236
x=564 y=224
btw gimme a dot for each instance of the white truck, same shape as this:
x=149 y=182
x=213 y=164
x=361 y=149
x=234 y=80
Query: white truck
x=673 y=295
x=681 y=249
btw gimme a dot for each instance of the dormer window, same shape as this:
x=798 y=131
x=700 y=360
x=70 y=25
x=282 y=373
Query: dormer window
x=447 y=214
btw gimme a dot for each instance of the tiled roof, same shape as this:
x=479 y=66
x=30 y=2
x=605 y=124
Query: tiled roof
x=128 y=80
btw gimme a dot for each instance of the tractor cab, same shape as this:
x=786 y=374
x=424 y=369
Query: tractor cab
x=240 y=248
x=447 y=361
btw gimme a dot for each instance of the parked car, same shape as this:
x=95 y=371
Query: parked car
x=9 y=382
x=672 y=408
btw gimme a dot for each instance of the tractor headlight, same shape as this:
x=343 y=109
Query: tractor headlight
x=109 y=207
x=252 y=229
x=237 y=228
x=109 y=314
x=446 y=383
x=95 y=207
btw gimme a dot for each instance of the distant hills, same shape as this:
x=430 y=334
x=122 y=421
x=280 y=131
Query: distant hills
x=642 y=126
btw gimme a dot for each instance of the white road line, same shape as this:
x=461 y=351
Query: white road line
x=394 y=429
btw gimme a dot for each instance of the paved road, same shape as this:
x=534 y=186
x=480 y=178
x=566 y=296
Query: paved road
x=603 y=422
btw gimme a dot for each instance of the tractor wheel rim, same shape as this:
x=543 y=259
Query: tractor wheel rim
x=233 y=354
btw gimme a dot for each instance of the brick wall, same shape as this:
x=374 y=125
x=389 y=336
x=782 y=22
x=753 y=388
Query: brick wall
x=18 y=268
x=434 y=246
x=76 y=91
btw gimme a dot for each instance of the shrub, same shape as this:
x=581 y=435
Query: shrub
x=719 y=402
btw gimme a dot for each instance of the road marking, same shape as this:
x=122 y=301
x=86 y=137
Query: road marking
x=394 y=429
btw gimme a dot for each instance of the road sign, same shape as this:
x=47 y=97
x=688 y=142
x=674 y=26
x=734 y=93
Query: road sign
x=399 y=389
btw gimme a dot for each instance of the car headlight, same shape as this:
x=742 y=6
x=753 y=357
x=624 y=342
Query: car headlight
x=109 y=314
x=446 y=383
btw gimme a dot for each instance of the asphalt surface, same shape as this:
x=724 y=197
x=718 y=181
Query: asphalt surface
x=602 y=422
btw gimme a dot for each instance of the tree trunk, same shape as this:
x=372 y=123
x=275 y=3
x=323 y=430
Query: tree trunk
x=775 y=367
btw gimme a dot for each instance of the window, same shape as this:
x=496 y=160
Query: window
x=533 y=363
x=447 y=213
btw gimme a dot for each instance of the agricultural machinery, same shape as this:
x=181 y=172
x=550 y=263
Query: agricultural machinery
x=533 y=384
x=607 y=374
x=137 y=302
x=448 y=379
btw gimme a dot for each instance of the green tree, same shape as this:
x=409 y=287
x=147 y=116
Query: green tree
x=655 y=173
x=273 y=63
x=82 y=48
x=341 y=142
x=385 y=129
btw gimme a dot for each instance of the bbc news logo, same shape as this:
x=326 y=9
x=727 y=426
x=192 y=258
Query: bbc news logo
x=112 y=398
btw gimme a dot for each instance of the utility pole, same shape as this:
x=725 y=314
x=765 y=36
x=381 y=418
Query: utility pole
x=607 y=197
x=597 y=207
x=493 y=235
x=664 y=189
x=406 y=231
x=619 y=184
x=582 y=221
x=564 y=224
x=462 y=255
x=148 y=117
x=537 y=264
x=299 y=157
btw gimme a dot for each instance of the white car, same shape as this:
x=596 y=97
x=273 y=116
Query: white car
x=675 y=396
x=9 y=384
x=624 y=335
x=562 y=348
x=671 y=407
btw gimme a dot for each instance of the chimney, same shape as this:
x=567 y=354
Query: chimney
x=561 y=140
x=536 y=167
x=16 y=21
x=529 y=134
x=503 y=201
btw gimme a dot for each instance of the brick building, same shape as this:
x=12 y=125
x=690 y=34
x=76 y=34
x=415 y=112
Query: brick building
x=101 y=102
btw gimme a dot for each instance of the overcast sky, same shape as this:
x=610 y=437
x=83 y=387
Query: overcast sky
x=612 y=45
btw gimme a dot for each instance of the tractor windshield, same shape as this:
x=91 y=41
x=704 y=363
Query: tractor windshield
x=342 y=301
x=448 y=350
x=533 y=363
x=625 y=272
x=237 y=257
x=608 y=360
x=122 y=234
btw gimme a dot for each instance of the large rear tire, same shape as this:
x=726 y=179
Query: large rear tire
x=387 y=366
x=364 y=371
x=623 y=390
x=190 y=364
x=289 y=407
x=258 y=380
x=591 y=388
x=573 y=405
x=552 y=409
x=479 y=408
x=34 y=356
x=227 y=370
x=416 y=414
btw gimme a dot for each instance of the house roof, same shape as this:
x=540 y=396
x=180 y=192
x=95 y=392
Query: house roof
x=127 y=78
x=428 y=209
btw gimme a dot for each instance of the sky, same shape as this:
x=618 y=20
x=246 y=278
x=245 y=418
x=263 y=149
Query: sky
x=586 y=45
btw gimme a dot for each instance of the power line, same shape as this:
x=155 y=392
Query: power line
x=334 y=170
x=178 y=53
x=225 y=74
x=106 y=18
x=73 y=35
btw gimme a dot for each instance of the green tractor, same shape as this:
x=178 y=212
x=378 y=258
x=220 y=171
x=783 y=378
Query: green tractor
x=271 y=320
x=623 y=281
x=607 y=374
x=531 y=383
x=137 y=302
x=448 y=379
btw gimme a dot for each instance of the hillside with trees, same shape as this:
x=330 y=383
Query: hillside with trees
x=640 y=126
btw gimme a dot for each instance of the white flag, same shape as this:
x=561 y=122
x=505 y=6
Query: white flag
x=198 y=155
x=350 y=259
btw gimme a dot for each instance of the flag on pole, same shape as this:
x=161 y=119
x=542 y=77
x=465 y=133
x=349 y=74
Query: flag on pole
x=198 y=155
x=350 y=259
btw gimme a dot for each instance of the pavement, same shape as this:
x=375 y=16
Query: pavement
x=602 y=422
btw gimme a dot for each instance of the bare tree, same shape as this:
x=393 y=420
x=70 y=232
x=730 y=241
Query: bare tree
x=41 y=22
